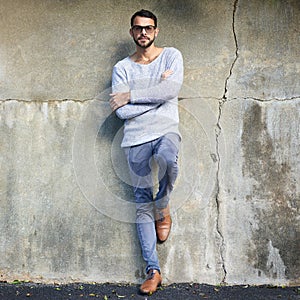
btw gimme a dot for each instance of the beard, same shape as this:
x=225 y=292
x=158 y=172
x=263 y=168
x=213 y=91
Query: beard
x=144 y=45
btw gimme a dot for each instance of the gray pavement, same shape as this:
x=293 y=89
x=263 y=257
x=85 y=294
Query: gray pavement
x=21 y=290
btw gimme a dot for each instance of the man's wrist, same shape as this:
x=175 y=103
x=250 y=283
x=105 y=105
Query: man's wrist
x=129 y=97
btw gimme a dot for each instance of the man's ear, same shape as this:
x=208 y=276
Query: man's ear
x=156 y=32
x=130 y=32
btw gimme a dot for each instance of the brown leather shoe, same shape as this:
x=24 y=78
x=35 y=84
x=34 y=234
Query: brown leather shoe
x=163 y=223
x=151 y=283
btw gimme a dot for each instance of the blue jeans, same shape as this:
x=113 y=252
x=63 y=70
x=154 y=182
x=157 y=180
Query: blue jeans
x=165 y=152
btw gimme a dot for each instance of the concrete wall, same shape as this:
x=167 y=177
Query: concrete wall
x=66 y=210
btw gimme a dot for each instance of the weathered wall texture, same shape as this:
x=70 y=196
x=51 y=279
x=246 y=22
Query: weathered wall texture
x=66 y=210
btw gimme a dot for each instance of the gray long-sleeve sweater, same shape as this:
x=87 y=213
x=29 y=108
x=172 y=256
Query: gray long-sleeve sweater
x=153 y=108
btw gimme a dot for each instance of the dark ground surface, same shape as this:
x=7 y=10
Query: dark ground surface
x=21 y=290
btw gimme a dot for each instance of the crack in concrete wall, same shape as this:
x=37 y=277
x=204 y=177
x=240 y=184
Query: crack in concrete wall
x=235 y=5
x=222 y=101
x=218 y=227
x=47 y=101
x=218 y=133
x=269 y=100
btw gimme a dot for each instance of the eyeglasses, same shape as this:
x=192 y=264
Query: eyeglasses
x=139 y=29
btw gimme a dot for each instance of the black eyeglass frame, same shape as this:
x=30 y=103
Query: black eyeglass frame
x=139 y=29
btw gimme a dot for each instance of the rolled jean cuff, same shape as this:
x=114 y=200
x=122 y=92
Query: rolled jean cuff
x=152 y=268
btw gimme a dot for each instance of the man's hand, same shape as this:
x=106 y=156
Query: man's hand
x=118 y=100
x=166 y=74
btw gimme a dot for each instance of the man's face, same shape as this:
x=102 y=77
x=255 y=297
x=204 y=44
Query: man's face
x=143 y=32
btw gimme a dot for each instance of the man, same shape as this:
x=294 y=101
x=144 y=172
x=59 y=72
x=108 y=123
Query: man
x=145 y=89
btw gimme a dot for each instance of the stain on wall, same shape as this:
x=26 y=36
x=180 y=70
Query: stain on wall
x=275 y=187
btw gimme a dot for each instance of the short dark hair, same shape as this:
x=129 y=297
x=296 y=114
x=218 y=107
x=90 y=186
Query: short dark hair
x=146 y=14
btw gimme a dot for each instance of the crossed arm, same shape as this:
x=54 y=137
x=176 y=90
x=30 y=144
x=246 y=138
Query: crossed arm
x=120 y=102
x=129 y=103
x=120 y=99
